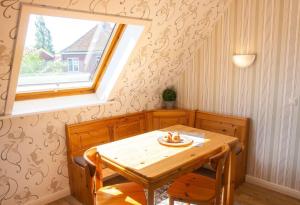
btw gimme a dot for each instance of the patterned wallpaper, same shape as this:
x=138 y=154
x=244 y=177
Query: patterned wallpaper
x=32 y=148
x=268 y=92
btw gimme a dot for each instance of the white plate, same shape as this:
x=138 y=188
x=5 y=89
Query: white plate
x=185 y=141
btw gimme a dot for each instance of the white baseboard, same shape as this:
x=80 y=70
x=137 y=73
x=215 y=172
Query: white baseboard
x=51 y=197
x=274 y=187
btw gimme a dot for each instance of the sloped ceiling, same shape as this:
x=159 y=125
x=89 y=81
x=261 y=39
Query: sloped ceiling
x=33 y=162
x=171 y=40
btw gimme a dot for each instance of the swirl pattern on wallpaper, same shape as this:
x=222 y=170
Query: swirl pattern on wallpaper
x=5 y=126
x=25 y=196
x=9 y=7
x=8 y=186
x=37 y=168
x=55 y=140
x=11 y=152
x=33 y=148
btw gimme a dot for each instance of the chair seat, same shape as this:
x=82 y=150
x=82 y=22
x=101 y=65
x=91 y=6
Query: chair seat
x=121 y=194
x=193 y=188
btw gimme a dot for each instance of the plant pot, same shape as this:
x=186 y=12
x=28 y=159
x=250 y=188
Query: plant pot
x=169 y=104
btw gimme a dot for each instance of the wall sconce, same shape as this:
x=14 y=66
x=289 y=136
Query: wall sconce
x=243 y=60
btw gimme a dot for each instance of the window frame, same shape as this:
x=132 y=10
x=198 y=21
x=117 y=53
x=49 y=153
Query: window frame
x=26 y=10
x=73 y=59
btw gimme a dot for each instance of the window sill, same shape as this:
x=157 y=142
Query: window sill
x=30 y=107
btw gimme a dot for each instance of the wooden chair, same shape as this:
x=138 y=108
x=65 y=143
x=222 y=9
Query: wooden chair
x=128 y=193
x=198 y=189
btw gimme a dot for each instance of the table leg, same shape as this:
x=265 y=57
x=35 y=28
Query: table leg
x=229 y=179
x=150 y=197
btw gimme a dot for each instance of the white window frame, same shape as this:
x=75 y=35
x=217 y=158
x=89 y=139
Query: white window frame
x=75 y=62
x=26 y=10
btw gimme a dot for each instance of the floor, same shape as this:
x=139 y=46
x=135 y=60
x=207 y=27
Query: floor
x=247 y=194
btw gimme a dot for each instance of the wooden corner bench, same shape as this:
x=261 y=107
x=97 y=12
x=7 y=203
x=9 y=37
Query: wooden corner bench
x=84 y=135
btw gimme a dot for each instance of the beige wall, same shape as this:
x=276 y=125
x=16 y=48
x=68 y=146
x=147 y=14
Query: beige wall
x=270 y=28
x=32 y=148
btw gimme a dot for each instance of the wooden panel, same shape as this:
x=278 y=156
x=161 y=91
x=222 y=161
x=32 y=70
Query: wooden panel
x=90 y=125
x=214 y=126
x=129 y=126
x=82 y=136
x=233 y=126
x=165 y=118
x=94 y=137
x=73 y=143
x=162 y=122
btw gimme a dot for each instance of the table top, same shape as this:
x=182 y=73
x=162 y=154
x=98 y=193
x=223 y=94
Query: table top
x=146 y=157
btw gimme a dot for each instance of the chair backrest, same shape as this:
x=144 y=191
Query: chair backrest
x=94 y=169
x=218 y=163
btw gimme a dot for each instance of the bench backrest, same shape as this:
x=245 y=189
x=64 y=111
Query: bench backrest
x=229 y=125
x=84 y=135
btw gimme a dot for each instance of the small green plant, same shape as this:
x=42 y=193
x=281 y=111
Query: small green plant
x=169 y=94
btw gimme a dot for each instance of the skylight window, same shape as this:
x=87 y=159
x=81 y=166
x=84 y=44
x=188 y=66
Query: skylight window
x=62 y=52
x=64 y=55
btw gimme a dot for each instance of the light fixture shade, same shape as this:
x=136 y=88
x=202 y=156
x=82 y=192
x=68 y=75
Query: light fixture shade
x=243 y=60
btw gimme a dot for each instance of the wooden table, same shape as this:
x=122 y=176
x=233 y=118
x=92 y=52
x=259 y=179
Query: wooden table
x=143 y=160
